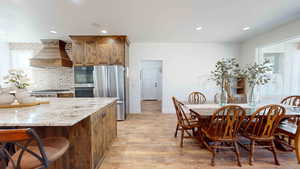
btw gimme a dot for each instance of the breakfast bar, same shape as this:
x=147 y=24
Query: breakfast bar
x=90 y=125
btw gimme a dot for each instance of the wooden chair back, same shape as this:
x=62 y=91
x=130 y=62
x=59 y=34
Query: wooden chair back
x=226 y=122
x=21 y=139
x=196 y=98
x=291 y=101
x=264 y=121
x=182 y=118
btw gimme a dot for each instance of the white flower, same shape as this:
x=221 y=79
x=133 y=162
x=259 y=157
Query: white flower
x=17 y=78
x=12 y=71
x=6 y=77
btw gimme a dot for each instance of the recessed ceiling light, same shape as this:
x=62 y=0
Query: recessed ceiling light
x=199 y=28
x=246 y=28
x=104 y=31
x=53 y=32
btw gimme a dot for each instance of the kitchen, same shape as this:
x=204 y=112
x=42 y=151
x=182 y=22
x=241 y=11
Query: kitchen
x=98 y=70
x=80 y=95
x=139 y=84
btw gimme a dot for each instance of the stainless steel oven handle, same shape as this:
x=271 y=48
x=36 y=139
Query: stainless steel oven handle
x=84 y=85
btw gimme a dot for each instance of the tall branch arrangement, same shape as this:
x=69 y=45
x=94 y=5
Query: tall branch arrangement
x=257 y=74
x=224 y=70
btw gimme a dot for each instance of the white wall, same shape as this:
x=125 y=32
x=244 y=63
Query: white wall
x=282 y=33
x=4 y=59
x=186 y=67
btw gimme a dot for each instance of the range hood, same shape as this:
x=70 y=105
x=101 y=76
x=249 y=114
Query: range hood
x=52 y=54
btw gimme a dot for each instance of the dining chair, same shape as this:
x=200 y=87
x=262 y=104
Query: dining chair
x=260 y=128
x=295 y=102
x=291 y=101
x=222 y=130
x=196 y=98
x=289 y=127
x=33 y=153
x=187 y=123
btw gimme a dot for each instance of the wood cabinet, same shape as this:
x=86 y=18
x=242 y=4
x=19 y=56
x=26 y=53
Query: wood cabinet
x=89 y=139
x=104 y=132
x=65 y=95
x=239 y=90
x=99 y=50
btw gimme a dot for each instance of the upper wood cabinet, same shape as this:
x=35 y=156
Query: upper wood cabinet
x=99 y=50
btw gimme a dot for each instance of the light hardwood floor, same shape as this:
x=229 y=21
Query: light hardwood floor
x=151 y=106
x=146 y=141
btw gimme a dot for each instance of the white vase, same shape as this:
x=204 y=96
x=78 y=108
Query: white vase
x=24 y=97
x=6 y=98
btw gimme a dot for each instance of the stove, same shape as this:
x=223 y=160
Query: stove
x=49 y=92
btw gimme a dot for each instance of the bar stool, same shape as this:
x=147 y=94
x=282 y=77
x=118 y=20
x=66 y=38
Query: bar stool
x=32 y=151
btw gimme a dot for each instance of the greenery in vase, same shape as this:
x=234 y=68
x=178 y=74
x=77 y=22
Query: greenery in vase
x=224 y=70
x=17 y=78
x=258 y=74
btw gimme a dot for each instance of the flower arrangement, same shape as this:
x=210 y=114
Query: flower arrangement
x=17 y=78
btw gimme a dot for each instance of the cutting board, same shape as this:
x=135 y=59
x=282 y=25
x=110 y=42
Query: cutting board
x=23 y=105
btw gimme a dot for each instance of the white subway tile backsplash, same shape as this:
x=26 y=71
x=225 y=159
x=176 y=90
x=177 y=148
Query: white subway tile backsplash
x=47 y=78
x=52 y=78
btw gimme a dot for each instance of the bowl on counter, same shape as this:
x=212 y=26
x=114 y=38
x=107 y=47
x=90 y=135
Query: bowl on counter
x=6 y=99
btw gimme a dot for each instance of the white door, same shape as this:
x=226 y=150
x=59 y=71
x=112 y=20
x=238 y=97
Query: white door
x=150 y=83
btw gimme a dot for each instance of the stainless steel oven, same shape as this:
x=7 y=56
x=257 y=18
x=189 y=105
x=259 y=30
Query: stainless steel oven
x=84 y=81
x=83 y=75
x=84 y=91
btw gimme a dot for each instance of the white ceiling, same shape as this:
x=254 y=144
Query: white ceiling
x=144 y=20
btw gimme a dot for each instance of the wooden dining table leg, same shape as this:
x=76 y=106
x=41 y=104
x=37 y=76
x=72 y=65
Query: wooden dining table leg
x=297 y=143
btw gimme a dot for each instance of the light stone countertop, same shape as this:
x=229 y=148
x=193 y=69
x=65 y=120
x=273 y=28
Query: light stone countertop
x=60 y=112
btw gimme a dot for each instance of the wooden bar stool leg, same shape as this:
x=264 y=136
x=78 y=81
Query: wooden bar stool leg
x=274 y=153
x=213 y=151
x=237 y=153
x=176 y=130
x=251 y=157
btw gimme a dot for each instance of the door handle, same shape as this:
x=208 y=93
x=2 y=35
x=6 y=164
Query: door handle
x=155 y=84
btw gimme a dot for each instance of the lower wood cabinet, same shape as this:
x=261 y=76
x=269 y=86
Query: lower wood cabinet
x=103 y=132
x=89 y=139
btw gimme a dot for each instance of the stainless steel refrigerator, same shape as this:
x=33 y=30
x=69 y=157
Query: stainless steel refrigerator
x=109 y=81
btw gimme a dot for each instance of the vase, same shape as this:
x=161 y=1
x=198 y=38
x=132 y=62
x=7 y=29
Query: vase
x=24 y=97
x=223 y=97
x=253 y=95
x=6 y=98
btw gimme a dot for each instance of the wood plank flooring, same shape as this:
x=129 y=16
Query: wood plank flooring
x=151 y=106
x=146 y=141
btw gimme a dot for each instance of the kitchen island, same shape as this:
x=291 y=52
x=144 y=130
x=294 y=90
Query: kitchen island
x=88 y=123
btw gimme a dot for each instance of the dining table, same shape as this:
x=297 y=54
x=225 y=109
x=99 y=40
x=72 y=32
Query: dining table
x=205 y=111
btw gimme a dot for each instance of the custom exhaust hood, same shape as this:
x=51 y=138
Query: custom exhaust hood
x=52 y=54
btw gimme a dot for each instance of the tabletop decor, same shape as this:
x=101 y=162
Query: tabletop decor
x=5 y=97
x=225 y=70
x=257 y=75
x=18 y=79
